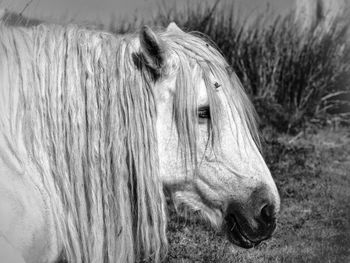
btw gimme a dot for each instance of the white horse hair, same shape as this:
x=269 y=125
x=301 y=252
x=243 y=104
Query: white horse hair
x=94 y=125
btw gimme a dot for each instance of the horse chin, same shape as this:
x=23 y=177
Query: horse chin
x=236 y=235
x=215 y=218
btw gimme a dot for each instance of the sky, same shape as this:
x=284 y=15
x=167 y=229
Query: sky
x=102 y=10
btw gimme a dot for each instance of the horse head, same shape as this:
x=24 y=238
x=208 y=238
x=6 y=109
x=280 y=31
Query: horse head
x=208 y=143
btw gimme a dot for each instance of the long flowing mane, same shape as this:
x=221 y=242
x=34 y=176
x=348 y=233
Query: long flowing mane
x=85 y=116
x=87 y=120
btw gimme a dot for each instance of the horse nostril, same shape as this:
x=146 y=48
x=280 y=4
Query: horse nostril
x=267 y=214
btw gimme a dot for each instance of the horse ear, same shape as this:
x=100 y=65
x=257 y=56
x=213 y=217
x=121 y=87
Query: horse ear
x=173 y=27
x=152 y=49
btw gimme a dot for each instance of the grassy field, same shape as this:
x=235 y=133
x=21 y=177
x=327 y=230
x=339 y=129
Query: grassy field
x=312 y=172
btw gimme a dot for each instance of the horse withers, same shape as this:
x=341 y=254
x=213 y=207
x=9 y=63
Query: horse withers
x=93 y=128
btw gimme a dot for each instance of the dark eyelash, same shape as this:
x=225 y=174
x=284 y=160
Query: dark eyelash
x=204 y=113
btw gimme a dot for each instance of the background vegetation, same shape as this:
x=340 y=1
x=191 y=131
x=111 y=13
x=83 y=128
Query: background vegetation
x=293 y=77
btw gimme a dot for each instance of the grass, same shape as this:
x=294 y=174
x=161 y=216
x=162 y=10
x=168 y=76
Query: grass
x=312 y=175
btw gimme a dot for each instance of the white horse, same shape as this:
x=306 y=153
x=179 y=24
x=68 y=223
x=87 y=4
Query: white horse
x=93 y=126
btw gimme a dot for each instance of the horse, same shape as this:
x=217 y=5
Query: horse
x=96 y=128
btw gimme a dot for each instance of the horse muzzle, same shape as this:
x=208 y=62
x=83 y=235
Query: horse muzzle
x=249 y=224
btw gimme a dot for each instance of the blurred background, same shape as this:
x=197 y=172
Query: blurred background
x=293 y=58
x=104 y=10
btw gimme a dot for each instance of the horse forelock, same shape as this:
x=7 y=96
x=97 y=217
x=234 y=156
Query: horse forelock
x=197 y=59
x=87 y=119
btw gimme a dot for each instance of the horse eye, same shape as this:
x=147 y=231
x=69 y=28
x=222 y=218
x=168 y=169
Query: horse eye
x=204 y=113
